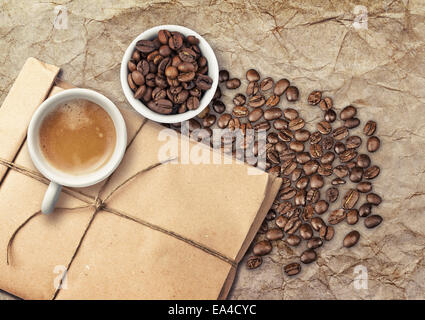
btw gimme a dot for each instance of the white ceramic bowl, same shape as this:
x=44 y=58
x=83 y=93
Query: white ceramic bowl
x=207 y=52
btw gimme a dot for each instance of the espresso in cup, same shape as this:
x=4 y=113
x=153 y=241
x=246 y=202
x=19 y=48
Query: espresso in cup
x=78 y=137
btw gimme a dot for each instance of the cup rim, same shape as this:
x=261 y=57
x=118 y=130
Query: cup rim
x=213 y=71
x=63 y=178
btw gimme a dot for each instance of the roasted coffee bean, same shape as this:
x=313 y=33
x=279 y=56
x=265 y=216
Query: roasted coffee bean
x=292 y=93
x=273 y=156
x=186 y=76
x=287 y=193
x=350 y=199
x=145 y=46
x=292 y=269
x=265 y=125
x=365 y=209
x=293 y=225
x=252 y=88
x=286 y=206
x=138 y=78
x=314 y=243
x=148 y=95
x=280 y=87
x=372 y=221
x=372 y=172
x=373 y=144
x=306 y=232
x=223 y=75
x=339 y=147
x=288 y=167
x=194 y=125
x=272 y=101
x=299 y=199
x=327 y=158
x=356 y=174
x=308 y=212
x=303 y=157
x=351 y=165
x=332 y=194
x=233 y=83
x=308 y=256
x=353 y=142
x=317 y=223
x=218 y=106
x=340 y=133
x=347 y=155
x=310 y=167
x=162 y=106
x=327 y=232
x=287 y=155
x=280 y=147
x=314 y=97
x=271 y=215
x=363 y=161
x=321 y=207
x=131 y=65
x=223 y=121
x=364 y=187
x=316 y=151
x=143 y=67
x=341 y=171
x=302 y=183
x=301 y=135
x=281 y=221
x=330 y=115
x=256 y=101
x=326 y=104
x=352 y=216
x=239 y=100
x=290 y=114
x=272 y=138
x=313 y=195
x=203 y=82
x=327 y=143
x=337 y=181
x=254 y=262
x=192 y=103
x=240 y=111
x=296 y=124
x=315 y=137
x=351 y=123
x=316 y=181
x=252 y=75
x=262 y=248
x=272 y=114
x=140 y=92
x=278 y=124
x=209 y=120
x=336 y=216
x=348 y=113
x=369 y=128
x=296 y=174
x=163 y=36
x=274 y=234
x=176 y=40
x=285 y=135
x=324 y=127
x=266 y=84
x=351 y=239
x=374 y=199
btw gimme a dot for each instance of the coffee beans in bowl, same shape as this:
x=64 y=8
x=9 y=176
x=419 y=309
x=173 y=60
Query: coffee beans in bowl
x=169 y=74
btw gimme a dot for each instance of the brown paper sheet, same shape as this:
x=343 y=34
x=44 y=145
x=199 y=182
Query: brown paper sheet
x=314 y=44
x=119 y=253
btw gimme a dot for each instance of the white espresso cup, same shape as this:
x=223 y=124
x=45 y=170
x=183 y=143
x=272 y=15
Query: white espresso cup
x=57 y=177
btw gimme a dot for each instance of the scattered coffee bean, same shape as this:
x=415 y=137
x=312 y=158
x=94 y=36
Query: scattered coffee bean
x=350 y=199
x=330 y=115
x=364 y=187
x=314 y=98
x=365 y=210
x=314 y=243
x=332 y=194
x=363 y=161
x=372 y=172
x=348 y=113
x=272 y=113
x=274 y=234
x=356 y=174
x=374 y=199
x=293 y=240
x=308 y=256
x=373 y=144
x=351 y=239
x=352 y=216
x=369 y=128
x=252 y=75
x=321 y=207
x=223 y=75
x=324 y=127
x=280 y=87
x=306 y=232
x=372 y=221
x=254 y=262
x=292 y=93
x=341 y=171
x=326 y=104
x=233 y=83
x=262 y=248
x=292 y=269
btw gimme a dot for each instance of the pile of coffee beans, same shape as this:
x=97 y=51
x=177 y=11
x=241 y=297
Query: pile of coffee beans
x=169 y=73
x=312 y=164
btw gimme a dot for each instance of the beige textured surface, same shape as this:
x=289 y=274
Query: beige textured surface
x=381 y=70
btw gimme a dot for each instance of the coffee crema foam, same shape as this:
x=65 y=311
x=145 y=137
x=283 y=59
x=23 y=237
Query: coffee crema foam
x=78 y=137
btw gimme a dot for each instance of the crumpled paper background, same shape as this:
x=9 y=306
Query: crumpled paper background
x=314 y=44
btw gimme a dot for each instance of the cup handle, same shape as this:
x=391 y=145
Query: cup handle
x=51 y=197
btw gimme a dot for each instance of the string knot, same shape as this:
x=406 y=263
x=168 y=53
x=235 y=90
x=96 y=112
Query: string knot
x=99 y=204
